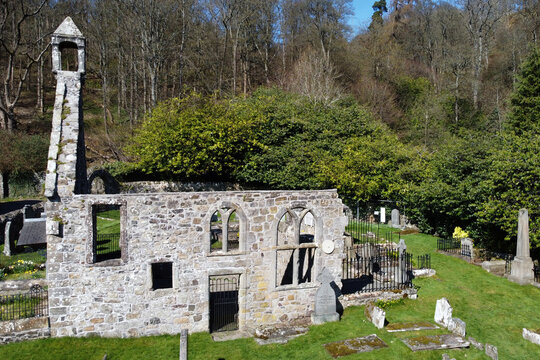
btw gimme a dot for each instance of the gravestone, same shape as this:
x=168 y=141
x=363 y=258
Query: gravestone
x=7 y=239
x=492 y=351
x=375 y=314
x=467 y=247
x=402 y=270
x=522 y=266
x=395 y=218
x=457 y=326
x=443 y=312
x=325 y=300
x=531 y=335
x=383 y=215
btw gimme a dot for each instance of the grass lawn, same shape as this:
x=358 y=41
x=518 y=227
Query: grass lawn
x=494 y=309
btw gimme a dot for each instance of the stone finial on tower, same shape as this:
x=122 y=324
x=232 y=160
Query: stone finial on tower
x=68 y=36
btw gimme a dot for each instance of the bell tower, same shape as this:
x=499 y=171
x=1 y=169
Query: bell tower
x=66 y=166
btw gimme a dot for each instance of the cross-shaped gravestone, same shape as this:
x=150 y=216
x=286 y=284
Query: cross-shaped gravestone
x=402 y=246
x=325 y=299
x=325 y=276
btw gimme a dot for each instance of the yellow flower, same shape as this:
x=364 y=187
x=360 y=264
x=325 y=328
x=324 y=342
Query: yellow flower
x=459 y=233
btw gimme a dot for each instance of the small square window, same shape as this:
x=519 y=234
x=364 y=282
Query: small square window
x=162 y=275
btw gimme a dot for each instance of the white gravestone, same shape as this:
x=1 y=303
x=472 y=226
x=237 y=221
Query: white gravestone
x=325 y=300
x=395 y=218
x=522 y=266
x=383 y=215
x=443 y=312
x=7 y=242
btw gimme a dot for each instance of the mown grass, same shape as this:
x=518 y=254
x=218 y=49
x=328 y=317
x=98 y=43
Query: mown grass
x=108 y=222
x=494 y=309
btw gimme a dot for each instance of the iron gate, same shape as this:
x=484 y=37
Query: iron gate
x=224 y=302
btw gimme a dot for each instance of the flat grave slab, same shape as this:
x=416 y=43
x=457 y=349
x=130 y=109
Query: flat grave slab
x=435 y=342
x=356 y=345
x=412 y=326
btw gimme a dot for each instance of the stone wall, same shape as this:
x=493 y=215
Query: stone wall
x=24 y=329
x=115 y=297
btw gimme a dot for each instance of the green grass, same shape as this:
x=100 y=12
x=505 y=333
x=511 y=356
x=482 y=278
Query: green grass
x=108 y=222
x=494 y=309
x=34 y=256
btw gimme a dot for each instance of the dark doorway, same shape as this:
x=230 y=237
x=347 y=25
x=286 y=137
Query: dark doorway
x=224 y=302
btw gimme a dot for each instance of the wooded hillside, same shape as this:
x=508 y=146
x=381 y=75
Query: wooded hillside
x=443 y=97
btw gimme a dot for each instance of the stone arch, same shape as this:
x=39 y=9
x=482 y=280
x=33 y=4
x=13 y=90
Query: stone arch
x=100 y=181
x=226 y=210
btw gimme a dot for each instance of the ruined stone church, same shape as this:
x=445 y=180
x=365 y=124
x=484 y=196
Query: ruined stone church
x=202 y=261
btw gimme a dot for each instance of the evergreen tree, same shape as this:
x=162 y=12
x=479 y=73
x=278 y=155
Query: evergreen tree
x=379 y=8
x=525 y=101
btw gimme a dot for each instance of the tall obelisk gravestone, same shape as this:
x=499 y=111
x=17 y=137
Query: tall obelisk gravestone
x=522 y=266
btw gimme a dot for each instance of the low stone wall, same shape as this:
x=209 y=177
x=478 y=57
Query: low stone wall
x=18 y=286
x=24 y=329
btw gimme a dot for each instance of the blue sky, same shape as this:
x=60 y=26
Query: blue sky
x=362 y=12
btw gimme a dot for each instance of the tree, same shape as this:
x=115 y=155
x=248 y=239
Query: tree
x=17 y=42
x=379 y=8
x=525 y=100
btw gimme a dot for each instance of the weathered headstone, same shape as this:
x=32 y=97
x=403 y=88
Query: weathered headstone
x=402 y=270
x=522 y=266
x=467 y=246
x=443 y=312
x=395 y=218
x=457 y=326
x=183 y=344
x=7 y=239
x=376 y=315
x=532 y=335
x=383 y=215
x=492 y=352
x=325 y=300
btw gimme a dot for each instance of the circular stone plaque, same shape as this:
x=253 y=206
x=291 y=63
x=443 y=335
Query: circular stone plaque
x=328 y=246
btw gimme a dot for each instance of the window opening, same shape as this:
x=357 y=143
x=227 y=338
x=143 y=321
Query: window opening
x=216 y=232
x=162 y=275
x=233 y=232
x=296 y=248
x=69 y=56
x=285 y=255
x=306 y=256
x=106 y=244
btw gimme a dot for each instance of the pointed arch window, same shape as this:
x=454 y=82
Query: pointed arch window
x=227 y=231
x=296 y=248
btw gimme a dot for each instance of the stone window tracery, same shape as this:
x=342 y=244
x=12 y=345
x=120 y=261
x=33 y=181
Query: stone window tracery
x=296 y=248
x=227 y=230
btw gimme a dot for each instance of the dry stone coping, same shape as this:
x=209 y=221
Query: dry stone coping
x=376 y=315
x=436 y=342
x=532 y=335
x=356 y=345
x=413 y=326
